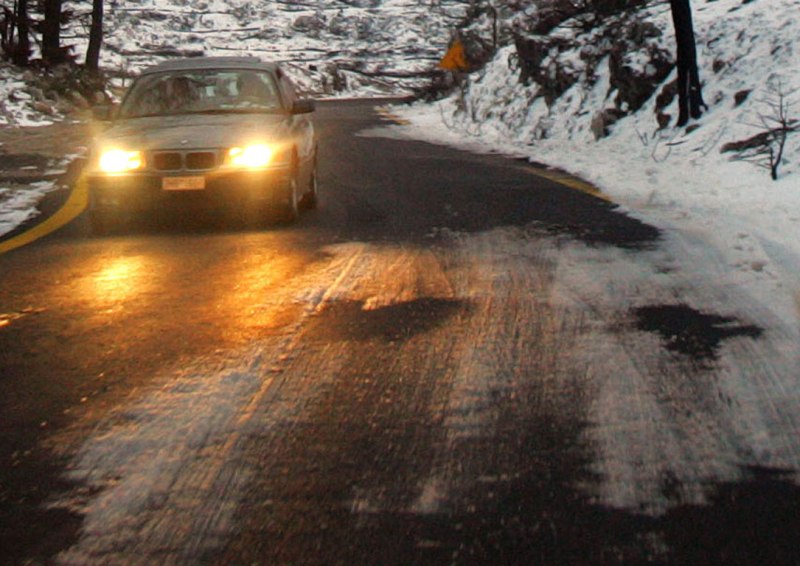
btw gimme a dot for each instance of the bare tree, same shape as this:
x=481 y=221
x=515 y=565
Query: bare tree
x=8 y=28
x=690 y=92
x=95 y=37
x=766 y=148
x=21 y=48
x=52 y=54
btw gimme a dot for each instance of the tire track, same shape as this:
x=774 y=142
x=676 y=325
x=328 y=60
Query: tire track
x=665 y=428
x=162 y=478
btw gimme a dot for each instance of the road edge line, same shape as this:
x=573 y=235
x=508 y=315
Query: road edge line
x=539 y=169
x=74 y=206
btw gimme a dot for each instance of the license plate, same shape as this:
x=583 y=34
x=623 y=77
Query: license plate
x=197 y=183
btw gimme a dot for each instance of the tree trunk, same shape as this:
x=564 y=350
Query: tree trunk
x=51 y=33
x=690 y=93
x=22 y=50
x=95 y=37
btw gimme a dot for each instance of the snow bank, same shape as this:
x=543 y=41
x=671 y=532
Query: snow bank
x=672 y=177
x=17 y=101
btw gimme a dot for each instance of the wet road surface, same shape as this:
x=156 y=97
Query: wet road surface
x=451 y=361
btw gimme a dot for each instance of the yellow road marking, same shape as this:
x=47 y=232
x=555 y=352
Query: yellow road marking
x=560 y=177
x=79 y=200
x=386 y=114
x=75 y=205
x=568 y=180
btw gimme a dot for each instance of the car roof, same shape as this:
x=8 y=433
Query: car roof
x=195 y=63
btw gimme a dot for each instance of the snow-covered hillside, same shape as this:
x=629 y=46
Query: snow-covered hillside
x=334 y=47
x=331 y=48
x=675 y=178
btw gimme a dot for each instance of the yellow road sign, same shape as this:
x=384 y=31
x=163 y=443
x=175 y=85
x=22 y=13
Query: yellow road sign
x=455 y=59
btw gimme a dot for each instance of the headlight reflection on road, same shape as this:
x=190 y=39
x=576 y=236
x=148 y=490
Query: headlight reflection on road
x=255 y=295
x=121 y=279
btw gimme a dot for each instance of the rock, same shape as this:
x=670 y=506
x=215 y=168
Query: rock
x=362 y=3
x=340 y=25
x=18 y=96
x=598 y=126
x=43 y=107
x=477 y=49
x=538 y=62
x=603 y=120
x=636 y=85
x=740 y=97
x=531 y=51
x=309 y=24
x=37 y=93
x=75 y=100
x=668 y=93
x=100 y=97
x=63 y=105
x=337 y=81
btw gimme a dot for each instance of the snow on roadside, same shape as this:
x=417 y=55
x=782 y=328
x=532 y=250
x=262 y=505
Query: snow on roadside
x=731 y=240
x=162 y=476
x=18 y=202
x=17 y=206
x=16 y=101
x=672 y=178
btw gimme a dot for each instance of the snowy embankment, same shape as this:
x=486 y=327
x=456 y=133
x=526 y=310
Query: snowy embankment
x=357 y=47
x=675 y=178
x=17 y=207
x=17 y=110
x=730 y=241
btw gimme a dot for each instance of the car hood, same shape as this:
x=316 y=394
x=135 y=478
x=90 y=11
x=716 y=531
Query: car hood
x=193 y=131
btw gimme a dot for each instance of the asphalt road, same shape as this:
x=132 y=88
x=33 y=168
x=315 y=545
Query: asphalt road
x=452 y=360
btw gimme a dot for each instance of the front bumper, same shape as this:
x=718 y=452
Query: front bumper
x=223 y=189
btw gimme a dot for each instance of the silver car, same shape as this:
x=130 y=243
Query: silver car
x=218 y=132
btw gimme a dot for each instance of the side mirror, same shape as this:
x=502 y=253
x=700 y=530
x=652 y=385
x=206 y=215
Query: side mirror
x=304 y=106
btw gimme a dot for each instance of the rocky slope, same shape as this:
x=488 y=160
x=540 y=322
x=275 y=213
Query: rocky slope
x=331 y=47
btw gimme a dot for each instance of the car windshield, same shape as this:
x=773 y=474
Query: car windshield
x=203 y=91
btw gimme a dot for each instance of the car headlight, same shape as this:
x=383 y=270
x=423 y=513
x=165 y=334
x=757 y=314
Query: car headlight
x=258 y=155
x=120 y=161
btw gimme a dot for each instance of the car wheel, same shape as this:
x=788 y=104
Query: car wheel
x=311 y=198
x=289 y=208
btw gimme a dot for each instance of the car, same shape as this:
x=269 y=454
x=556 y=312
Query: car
x=223 y=133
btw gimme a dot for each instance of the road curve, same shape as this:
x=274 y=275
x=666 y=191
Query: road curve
x=451 y=361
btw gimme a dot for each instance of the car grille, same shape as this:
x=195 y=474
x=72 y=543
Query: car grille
x=204 y=160
x=191 y=160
